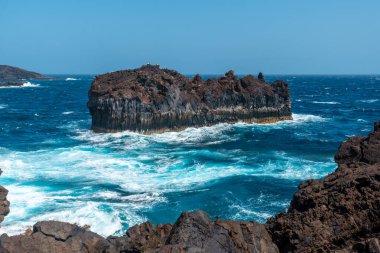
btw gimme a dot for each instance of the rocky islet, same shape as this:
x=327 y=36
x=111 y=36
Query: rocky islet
x=150 y=99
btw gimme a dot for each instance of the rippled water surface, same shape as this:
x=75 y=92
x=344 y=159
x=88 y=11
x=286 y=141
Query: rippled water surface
x=55 y=168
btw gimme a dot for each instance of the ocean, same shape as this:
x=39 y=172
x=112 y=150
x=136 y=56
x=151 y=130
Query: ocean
x=55 y=168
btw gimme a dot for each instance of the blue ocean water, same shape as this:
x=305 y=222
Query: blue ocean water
x=56 y=168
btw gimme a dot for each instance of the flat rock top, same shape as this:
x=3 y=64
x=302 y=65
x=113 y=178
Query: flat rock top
x=9 y=72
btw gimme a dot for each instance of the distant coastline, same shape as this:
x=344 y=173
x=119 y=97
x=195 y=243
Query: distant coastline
x=14 y=73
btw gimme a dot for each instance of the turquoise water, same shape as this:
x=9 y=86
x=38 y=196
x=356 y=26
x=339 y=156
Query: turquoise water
x=56 y=168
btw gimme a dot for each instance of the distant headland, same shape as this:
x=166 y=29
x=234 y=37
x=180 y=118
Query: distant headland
x=15 y=73
x=152 y=100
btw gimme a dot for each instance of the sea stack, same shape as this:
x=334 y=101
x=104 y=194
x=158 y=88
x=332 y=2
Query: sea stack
x=152 y=100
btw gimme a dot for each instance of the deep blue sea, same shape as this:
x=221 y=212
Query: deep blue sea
x=56 y=168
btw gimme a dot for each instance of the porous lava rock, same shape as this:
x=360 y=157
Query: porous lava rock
x=150 y=99
x=341 y=212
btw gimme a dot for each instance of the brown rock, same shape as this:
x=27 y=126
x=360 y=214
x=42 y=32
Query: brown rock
x=150 y=99
x=195 y=232
x=54 y=237
x=360 y=149
x=340 y=212
x=4 y=203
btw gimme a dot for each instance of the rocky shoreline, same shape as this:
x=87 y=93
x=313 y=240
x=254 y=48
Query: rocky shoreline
x=339 y=213
x=150 y=100
x=11 y=84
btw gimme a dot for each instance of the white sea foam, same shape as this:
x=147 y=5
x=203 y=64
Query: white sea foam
x=140 y=171
x=208 y=135
x=369 y=101
x=214 y=134
x=25 y=85
x=326 y=102
x=29 y=84
x=2 y=106
x=68 y=112
x=71 y=79
x=241 y=213
x=305 y=118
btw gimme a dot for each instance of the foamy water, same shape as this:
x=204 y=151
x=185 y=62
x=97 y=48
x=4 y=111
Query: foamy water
x=56 y=168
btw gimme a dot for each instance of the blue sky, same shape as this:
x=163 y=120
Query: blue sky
x=197 y=36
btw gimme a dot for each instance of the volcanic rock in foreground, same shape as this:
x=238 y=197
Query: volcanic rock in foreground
x=193 y=232
x=150 y=99
x=14 y=73
x=340 y=213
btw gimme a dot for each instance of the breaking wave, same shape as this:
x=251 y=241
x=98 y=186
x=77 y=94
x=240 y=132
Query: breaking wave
x=326 y=102
x=25 y=85
x=369 y=101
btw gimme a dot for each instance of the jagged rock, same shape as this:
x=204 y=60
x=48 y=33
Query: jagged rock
x=340 y=212
x=9 y=72
x=4 y=203
x=360 y=149
x=193 y=232
x=54 y=237
x=150 y=99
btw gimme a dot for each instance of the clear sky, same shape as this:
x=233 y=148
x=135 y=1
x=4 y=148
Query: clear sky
x=192 y=36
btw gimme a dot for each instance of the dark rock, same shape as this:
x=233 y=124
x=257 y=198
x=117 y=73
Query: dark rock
x=339 y=212
x=193 y=232
x=377 y=126
x=360 y=149
x=260 y=76
x=150 y=99
x=4 y=203
x=11 y=84
x=9 y=72
x=54 y=236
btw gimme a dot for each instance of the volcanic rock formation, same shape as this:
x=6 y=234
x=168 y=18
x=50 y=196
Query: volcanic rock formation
x=9 y=72
x=339 y=213
x=150 y=99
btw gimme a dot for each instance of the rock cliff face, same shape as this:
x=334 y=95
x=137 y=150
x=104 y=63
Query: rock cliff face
x=150 y=99
x=9 y=72
x=339 y=213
